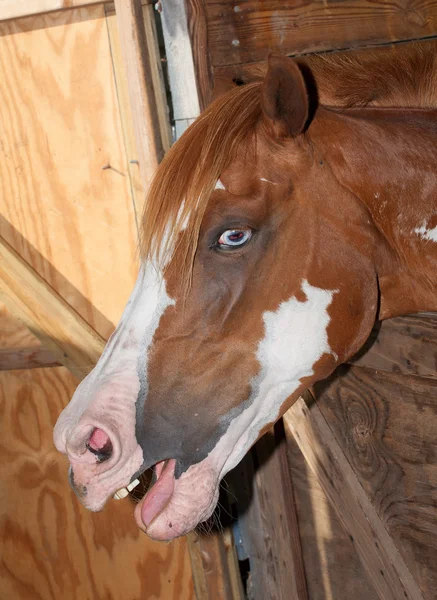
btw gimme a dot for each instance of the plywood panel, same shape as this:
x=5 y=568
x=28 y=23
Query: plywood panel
x=69 y=217
x=14 y=334
x=51 y=547
x=386 y=425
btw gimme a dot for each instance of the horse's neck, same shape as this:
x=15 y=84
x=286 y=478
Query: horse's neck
x=387 y=159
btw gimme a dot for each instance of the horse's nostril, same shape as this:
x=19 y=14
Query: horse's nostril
x=100 y=445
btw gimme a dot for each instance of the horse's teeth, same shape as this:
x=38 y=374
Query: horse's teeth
x=133 y=484
x=121 y=493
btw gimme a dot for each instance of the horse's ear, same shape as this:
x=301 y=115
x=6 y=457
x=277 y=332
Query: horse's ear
x=284 y=97
x=221 y=86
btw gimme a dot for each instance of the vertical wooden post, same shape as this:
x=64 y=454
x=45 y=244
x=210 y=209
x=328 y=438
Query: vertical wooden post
x=140 y=82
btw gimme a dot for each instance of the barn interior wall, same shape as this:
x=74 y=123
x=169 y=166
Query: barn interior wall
x=69 y=200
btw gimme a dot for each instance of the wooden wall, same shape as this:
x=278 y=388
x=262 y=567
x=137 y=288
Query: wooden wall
x=383 y=413
x=69 y=196
x=51 y=546
x=228 y=37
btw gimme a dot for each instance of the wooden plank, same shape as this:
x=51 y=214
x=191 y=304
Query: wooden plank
x=268 y=521
x=13 y=333
x=334 y=569
x=405 y=345
x=198 y=30
x=66 y=215
x=13 y=9
x=213 y=561
x=70 y=552
x=247 y=31
x=69 y=337
x=26 y=358
x=120 y=75
x=382 y=560
x=137 y=61
x=181 y=71
x=386 y=423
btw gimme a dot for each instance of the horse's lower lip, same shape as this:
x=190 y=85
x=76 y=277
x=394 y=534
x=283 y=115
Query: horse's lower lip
x=160 y=493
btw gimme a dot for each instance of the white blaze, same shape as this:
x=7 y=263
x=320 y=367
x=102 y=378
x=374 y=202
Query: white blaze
x=295 y=339
x=107 y=397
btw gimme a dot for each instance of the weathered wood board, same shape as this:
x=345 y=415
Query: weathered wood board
x=385 y=421
x=228 y=37
x=333 y=569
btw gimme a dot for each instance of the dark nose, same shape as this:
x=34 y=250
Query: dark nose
x=100 y=445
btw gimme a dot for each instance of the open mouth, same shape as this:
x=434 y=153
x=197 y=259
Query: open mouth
x=159 y=494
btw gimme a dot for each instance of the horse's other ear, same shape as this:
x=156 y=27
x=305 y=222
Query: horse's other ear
x=221 y=86
x=284 y=97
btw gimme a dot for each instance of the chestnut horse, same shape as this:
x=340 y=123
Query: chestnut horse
x=296 y=211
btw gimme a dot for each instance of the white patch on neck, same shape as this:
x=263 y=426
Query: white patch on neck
x=425 y=233
x=219 y=185
x=295 y=339
x=267 y=181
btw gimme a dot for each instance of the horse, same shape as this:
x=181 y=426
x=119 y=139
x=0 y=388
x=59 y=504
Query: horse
x=295 y=212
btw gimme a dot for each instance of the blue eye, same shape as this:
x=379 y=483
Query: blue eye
x=234 y=238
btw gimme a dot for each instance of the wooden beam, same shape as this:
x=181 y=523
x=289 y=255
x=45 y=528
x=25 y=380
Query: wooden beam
x=26 y=358
x=61 y=330
x=137 y=62
x=268 y=520
x=383 y=562
x=181 y=71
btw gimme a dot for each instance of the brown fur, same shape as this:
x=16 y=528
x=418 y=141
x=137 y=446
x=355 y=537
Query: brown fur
x=405 y=75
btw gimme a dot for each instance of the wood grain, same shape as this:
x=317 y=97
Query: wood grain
x=198 y=30
x=181 y=70
x=13 y=333
x=26 y=358
x=268 y=521
x=51 y=546
x=138 y=66
x=13 y=9
x=69 y=218
x=331 y=561
x=247 y=31
x=405 y=345
x=384 y=564
x=385 y=423
x=137 y=183
x=69 y=337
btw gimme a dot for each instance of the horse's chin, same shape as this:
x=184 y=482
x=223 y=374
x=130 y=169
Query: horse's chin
x=173 y=507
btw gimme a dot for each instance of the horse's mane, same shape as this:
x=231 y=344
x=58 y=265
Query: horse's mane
x=184 y=181
x=188 y=174
x=403 y=75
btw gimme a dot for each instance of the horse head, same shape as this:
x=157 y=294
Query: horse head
x=257 y=280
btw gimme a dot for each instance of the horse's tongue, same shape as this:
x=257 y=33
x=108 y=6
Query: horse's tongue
x=160 y=493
